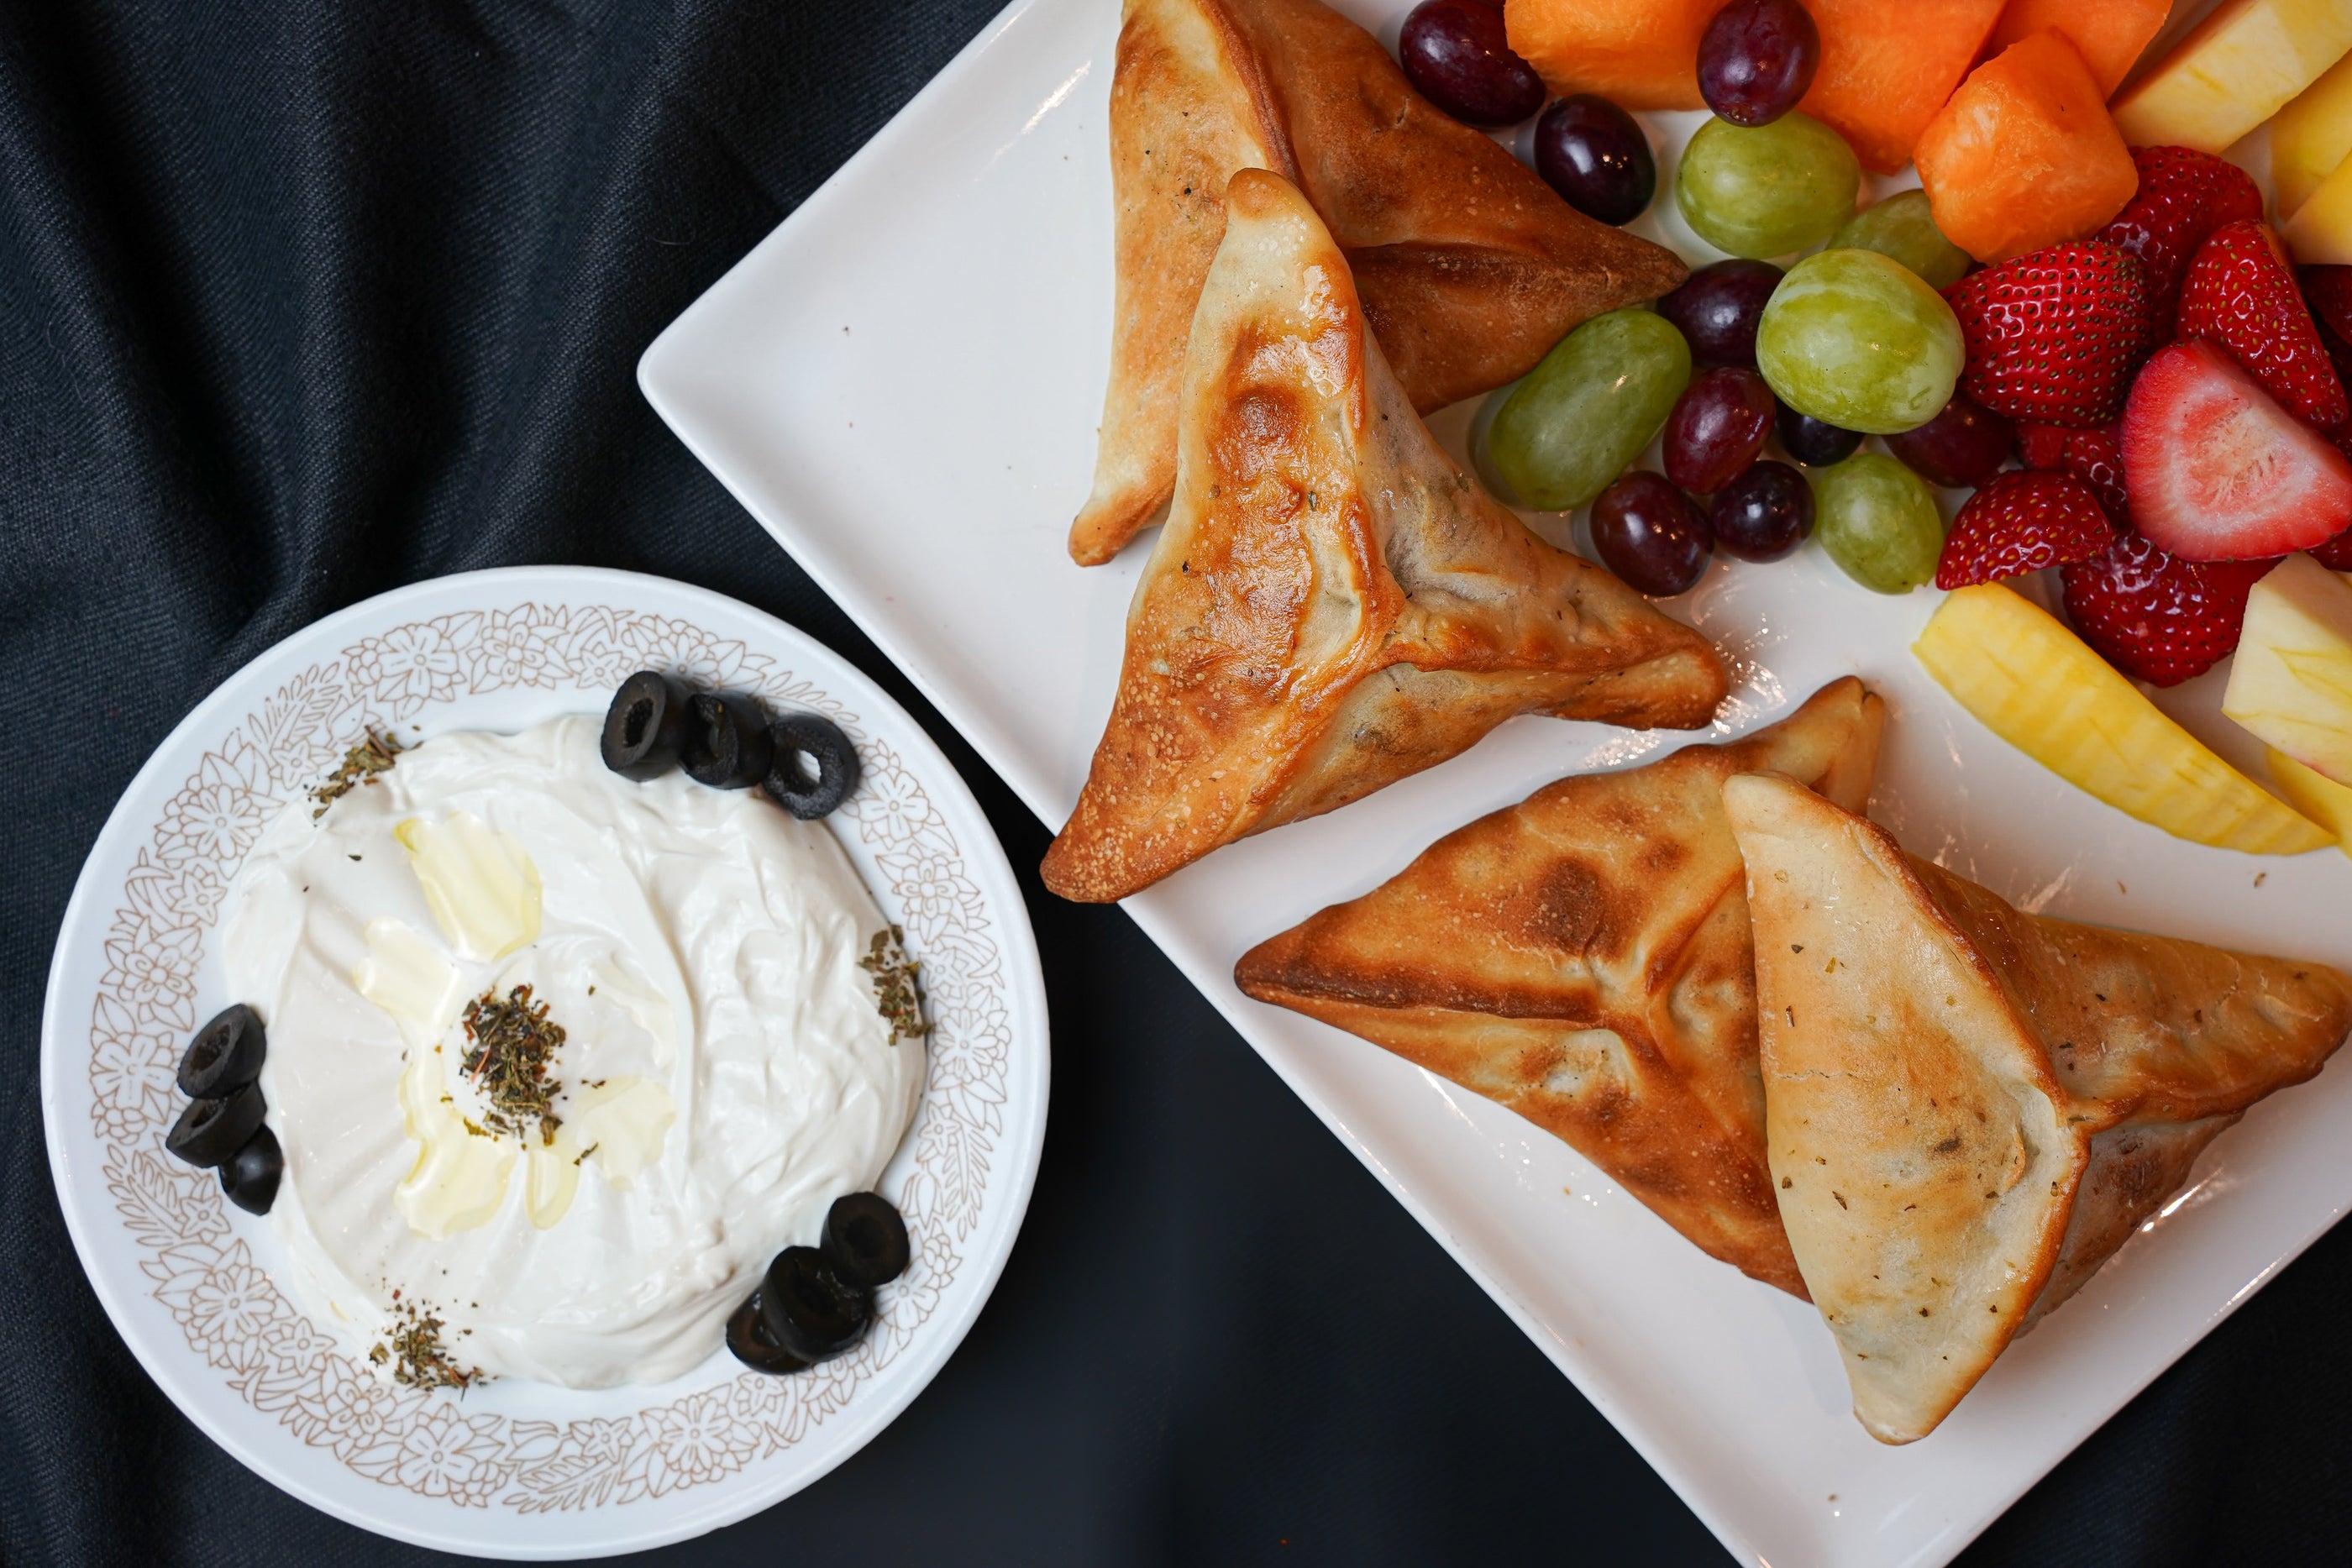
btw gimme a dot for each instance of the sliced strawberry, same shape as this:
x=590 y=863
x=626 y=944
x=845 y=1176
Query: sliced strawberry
x=2055 y=335
x=2216 y=471
x=2239 y=293
x=2183 y=196
x=2328 y=291
x=2154 y=616
x=2093 y=457
x=2021 y=521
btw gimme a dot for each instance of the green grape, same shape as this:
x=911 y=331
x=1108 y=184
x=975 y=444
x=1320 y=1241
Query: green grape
x=1857 y=339
x=1878 y=520
x=1901 y=227
x=1482 y=444
x=1766 y=190
x=1588 y=410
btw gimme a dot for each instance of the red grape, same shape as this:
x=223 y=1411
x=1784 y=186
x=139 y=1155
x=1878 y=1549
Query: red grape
x=1717 y=428
x=1718 y=308
x=1757 y=59
x=1592 y=153
x=1815 y=443
x=1651 y=535
x=1963 y=447
x=1764 y=513
x=1454 y=52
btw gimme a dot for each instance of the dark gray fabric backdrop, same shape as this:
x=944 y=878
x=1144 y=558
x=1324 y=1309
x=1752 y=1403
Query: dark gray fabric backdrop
x=299 y=302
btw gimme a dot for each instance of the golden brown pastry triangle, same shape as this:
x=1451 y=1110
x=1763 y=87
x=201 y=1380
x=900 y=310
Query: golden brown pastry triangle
x=1583 y=958
x=1467 y=264
x=1969 y=1108
x=1333 y=605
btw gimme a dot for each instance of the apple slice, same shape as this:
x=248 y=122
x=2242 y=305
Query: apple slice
x=2324 y=801
x=2216 y=470
x=2039 y=687
x=2290 y=684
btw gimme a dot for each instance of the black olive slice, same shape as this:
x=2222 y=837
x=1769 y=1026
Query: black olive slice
x=801 y=739
x=226 y=1054
x=865 y=1240
x=250 y=1177
x=811 y=1311
x=747 y=1336
x=209 y=1130
x=646 y=728
x=729 y=747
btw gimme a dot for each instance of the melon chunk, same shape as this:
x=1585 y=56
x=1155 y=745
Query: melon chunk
x=2311 y=137
x=2038 y=686
x=2024 y=154
x=1638 y=54
x=2290 y=682
x=2233 y=70
x=2109 y=34
x=1887 y=66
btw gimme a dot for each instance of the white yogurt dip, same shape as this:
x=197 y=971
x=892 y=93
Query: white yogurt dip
x=724 y=1073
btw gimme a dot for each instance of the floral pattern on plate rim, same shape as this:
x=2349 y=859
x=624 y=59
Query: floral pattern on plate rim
x=233 y=1315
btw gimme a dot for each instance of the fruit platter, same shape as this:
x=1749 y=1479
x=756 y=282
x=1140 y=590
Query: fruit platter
x=1724 y=630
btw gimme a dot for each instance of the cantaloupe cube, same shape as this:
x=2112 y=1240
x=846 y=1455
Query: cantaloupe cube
x=2310 y=137
x=2109 y=34
x=2233 y=70
x=1887 y=66
x=2320 y=232
x=1638 y=54
x=2024 y=154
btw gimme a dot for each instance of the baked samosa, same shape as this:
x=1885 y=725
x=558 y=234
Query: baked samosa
x=1583 y=958
x=1468 y=266
x=1333 y=605
x=1969 y=1108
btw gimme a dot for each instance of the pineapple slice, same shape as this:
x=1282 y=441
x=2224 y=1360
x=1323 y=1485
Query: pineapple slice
x=2291 y=683
x=2311 y=137
x=2232 y=71
x=2036 y=685
x=2322 y=799
x=2320 y=232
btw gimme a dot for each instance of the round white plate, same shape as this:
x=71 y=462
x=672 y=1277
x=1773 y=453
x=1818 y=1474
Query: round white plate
x=513 y=1468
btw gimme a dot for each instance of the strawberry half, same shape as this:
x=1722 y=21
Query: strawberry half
x=2328 y=291
x=2055 y=335
x=2216 y=471
x=2239 y=293
x=2021 y=521
x=2154 y=616
x=2093 y=457
x=2183 y=196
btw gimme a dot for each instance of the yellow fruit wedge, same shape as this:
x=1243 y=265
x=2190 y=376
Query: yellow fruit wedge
x=2290 y=682
x=2324 y=801
x=2311 y=137
x=2036 y=685
x=2320 y=232
x=2233 y=70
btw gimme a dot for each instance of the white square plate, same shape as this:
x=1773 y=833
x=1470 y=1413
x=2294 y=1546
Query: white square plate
x=902 y=384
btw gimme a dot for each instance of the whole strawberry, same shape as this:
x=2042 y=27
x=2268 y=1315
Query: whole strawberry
x=2055 y=335
x=2021 y=521
x=2093 y=457
x=2328 y=291
x=2336 y=554
x=2183 y=196
x=2154 y=616
x=2240 y=293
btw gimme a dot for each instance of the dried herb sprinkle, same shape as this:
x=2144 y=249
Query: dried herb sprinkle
x=360 y=764
x=415 y=1352
x=896 y=992
x=511 y=1045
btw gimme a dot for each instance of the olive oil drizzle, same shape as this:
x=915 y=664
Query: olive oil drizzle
x=360 y=765
x=511 y=1042
x=896 y=994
